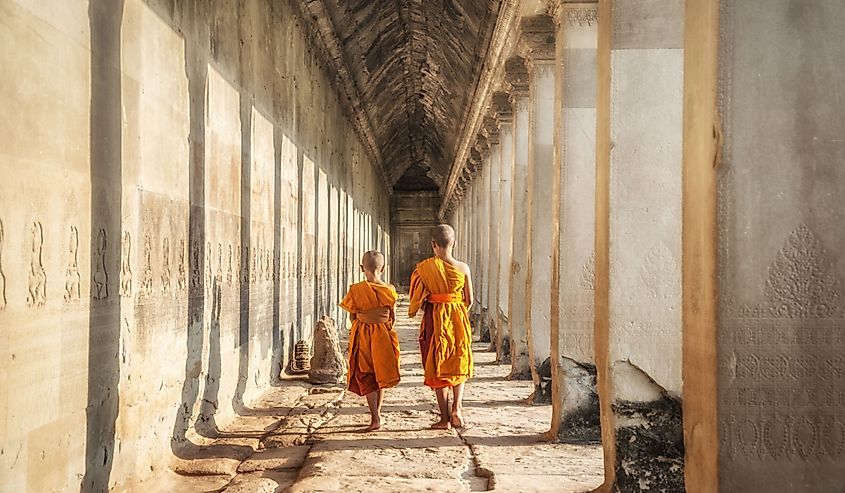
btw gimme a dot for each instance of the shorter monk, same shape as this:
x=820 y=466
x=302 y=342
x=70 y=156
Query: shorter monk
x=442 y=287
x=373 y=344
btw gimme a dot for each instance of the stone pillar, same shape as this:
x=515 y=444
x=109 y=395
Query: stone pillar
x=484 y=239
x=477 y=272
x=575 y=414
x=538 y=41
x=780 y=271
x=638 y=242
x=504 y=113
x=494 y=166
x=517 y=76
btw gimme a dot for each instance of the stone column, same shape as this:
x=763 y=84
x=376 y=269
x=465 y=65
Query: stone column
x=504 y=113
x=638 y=242
x=477 y=272
x=484 y=240
x=575 y=414
x=781 y=247
x=517 y=76
x=495 y=164
x=538 y=41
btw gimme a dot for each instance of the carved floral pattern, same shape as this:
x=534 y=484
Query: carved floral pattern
x=588 y=274
x=800 y=283
x=659 y=272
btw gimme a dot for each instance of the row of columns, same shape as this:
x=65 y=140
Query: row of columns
x=594 y=323
x=664 y=186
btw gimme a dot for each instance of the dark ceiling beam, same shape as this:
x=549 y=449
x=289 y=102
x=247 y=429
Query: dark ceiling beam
x=412 y=80
x=506 y=23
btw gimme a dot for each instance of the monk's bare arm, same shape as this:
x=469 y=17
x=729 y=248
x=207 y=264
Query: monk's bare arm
x=468 y=294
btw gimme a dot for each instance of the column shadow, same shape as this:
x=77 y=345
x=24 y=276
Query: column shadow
x=105 y=18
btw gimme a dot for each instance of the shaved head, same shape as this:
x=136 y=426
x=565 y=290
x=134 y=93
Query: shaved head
x=443 y=235
x=372 y=261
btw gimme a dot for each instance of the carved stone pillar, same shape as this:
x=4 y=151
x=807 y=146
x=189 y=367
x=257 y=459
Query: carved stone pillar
x=504 y=113
x=575 y=403
x=781 y=247
x=638 y=246
x=484 y=242
x=538 y=41
x=517 y=76
x=492 y=288
x=478 y=273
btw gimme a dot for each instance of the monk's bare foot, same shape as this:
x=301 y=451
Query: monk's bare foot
x=443 y=424
x=457 y=419
x=374 y=426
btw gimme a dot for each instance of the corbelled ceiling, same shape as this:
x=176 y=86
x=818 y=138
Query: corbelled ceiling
x=414 y=65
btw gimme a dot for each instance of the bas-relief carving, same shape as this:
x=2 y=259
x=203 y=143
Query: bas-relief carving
x=208 y=260
x=229 y=267
x=245 y=266
x=783 y=363
x=125 y=266
x=253 y=270
x=196 y=274
x=218 y=276
x=588 y=274
x=239 y=260
x=165 y=266
x=800 y=283
x=147 y=270
x=2 y=276
x=100 y=275
x=182 y=274
x=581 y=16
x=72 y=277
x=660 y=274
x=37 y=290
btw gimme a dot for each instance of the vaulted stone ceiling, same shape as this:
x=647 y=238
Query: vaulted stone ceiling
x=414 y=65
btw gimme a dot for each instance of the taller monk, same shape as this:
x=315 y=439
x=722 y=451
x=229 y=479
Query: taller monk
x=442 y=287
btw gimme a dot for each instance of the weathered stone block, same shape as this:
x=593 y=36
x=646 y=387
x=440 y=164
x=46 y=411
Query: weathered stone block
x=327 y=364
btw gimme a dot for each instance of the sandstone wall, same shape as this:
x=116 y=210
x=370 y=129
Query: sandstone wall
x=182 y=197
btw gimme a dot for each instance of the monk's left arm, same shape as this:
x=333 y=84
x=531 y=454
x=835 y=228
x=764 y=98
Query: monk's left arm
x=468 y=294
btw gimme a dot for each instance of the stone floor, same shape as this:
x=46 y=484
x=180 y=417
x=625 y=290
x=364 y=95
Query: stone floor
x=301 y=438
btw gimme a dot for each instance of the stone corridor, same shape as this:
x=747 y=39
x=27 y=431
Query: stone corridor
x=303 y=438
x=648 y=194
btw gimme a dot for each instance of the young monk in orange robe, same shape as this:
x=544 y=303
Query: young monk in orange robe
x=373 y=344
x=442 y=287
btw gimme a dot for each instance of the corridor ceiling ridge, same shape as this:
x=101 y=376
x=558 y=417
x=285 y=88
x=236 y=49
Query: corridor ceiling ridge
x=411 y=68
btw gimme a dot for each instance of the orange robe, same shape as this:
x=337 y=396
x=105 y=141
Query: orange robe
x=445 y=333
x=373 y=348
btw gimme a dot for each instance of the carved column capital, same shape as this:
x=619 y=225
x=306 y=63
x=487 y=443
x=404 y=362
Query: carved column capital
x=571 y=14
x=516 y=76
x=537 y=38
x=502 y=107
x=474 y=160
x=491 y=127
x=482 y=142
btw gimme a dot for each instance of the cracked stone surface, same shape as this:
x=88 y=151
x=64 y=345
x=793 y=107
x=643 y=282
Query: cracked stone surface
x=310 y=438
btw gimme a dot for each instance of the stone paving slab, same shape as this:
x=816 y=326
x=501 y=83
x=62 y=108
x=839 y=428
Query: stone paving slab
x=301 y=438
x=275 y=459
